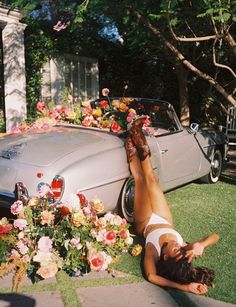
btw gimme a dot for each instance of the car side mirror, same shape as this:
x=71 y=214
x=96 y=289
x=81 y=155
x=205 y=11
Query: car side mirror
x=194 y=127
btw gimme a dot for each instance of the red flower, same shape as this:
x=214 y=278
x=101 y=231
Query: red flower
x=110 y=235
x=115 y=127
x=5 y=229
x=83 y=200
x=65 y=211
x=103 y=104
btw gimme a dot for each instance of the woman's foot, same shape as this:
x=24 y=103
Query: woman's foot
x=130 y=148
x=139 y=139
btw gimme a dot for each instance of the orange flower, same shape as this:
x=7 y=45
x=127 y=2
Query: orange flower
x=123 y=107
x=136 y=250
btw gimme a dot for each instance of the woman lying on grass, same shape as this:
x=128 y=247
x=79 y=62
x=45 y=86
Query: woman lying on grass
x=167 y=259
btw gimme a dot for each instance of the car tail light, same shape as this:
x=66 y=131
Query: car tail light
x=57 y=187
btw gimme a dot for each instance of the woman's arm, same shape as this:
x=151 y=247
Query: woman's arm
x=197 y=248
x=150 y=269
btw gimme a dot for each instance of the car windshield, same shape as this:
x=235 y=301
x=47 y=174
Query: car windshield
x=162 y=116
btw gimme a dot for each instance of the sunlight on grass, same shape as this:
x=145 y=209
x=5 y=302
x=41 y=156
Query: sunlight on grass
x=200 y=209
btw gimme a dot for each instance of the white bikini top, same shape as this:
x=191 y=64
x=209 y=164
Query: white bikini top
x=154 y=237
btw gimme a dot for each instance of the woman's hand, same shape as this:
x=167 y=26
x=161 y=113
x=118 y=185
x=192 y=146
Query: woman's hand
x=196 y=288
x=195 y=252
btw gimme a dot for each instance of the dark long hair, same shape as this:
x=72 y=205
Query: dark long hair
x=183 y=272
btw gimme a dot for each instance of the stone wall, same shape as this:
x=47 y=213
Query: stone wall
x=14 y=67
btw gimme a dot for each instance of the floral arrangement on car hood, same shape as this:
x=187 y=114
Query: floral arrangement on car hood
x=107 y=113
x=46 y=237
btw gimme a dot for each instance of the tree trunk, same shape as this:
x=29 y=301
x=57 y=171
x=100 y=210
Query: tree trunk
x=182 y=76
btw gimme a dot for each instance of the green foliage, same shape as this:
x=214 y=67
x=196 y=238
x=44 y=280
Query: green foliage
x=2 y=122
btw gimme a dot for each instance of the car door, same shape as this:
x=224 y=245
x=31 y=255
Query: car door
x=179 y=157
x=179 y=153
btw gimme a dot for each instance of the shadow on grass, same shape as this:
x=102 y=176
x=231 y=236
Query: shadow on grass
x=17 y=300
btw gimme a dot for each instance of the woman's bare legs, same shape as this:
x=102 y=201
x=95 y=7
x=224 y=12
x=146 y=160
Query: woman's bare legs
x=142 y=204
x=157 y=198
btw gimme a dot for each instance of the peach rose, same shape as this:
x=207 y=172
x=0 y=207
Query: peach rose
x=47 y=271
x=47 y=217
x=97 y=205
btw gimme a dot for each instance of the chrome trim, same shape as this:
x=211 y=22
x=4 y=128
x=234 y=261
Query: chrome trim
x=21 y=191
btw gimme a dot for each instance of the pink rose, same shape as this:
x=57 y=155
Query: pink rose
x=17 y=207
x=96 y=261
x=87 y=121
x=105 y=91
x=23 y=249
x=47 y=271
x=41 y=106
x=47 y=217
x=87 y=111
x=20 y=224
x=54 y=114
x=45 y=244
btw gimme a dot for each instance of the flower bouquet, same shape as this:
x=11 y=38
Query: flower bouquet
x=46 y=237
x=106 y=113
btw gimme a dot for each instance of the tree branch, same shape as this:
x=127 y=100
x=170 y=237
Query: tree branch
x=181 y=58
x=184 y=39
x=220 y=65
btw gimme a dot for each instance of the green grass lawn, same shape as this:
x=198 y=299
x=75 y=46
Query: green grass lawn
x=198 y=210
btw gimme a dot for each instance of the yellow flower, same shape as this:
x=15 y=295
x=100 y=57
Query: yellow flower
x=97 y=112
x=105 y=123
x=97 y=205
x=136 y=250
x=78 y=219
x=35 y=201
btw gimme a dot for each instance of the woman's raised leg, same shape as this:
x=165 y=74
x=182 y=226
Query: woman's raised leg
x=157 y=198
x=142 y=204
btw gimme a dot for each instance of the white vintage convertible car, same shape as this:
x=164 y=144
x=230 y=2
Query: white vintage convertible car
x=93 y=161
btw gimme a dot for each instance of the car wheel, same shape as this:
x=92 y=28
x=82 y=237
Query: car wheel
x=216 y=167
x=127 y=200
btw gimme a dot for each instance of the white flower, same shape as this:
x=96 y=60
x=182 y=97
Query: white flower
x=73 y=203
x=44 y=258
x=129 y=240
